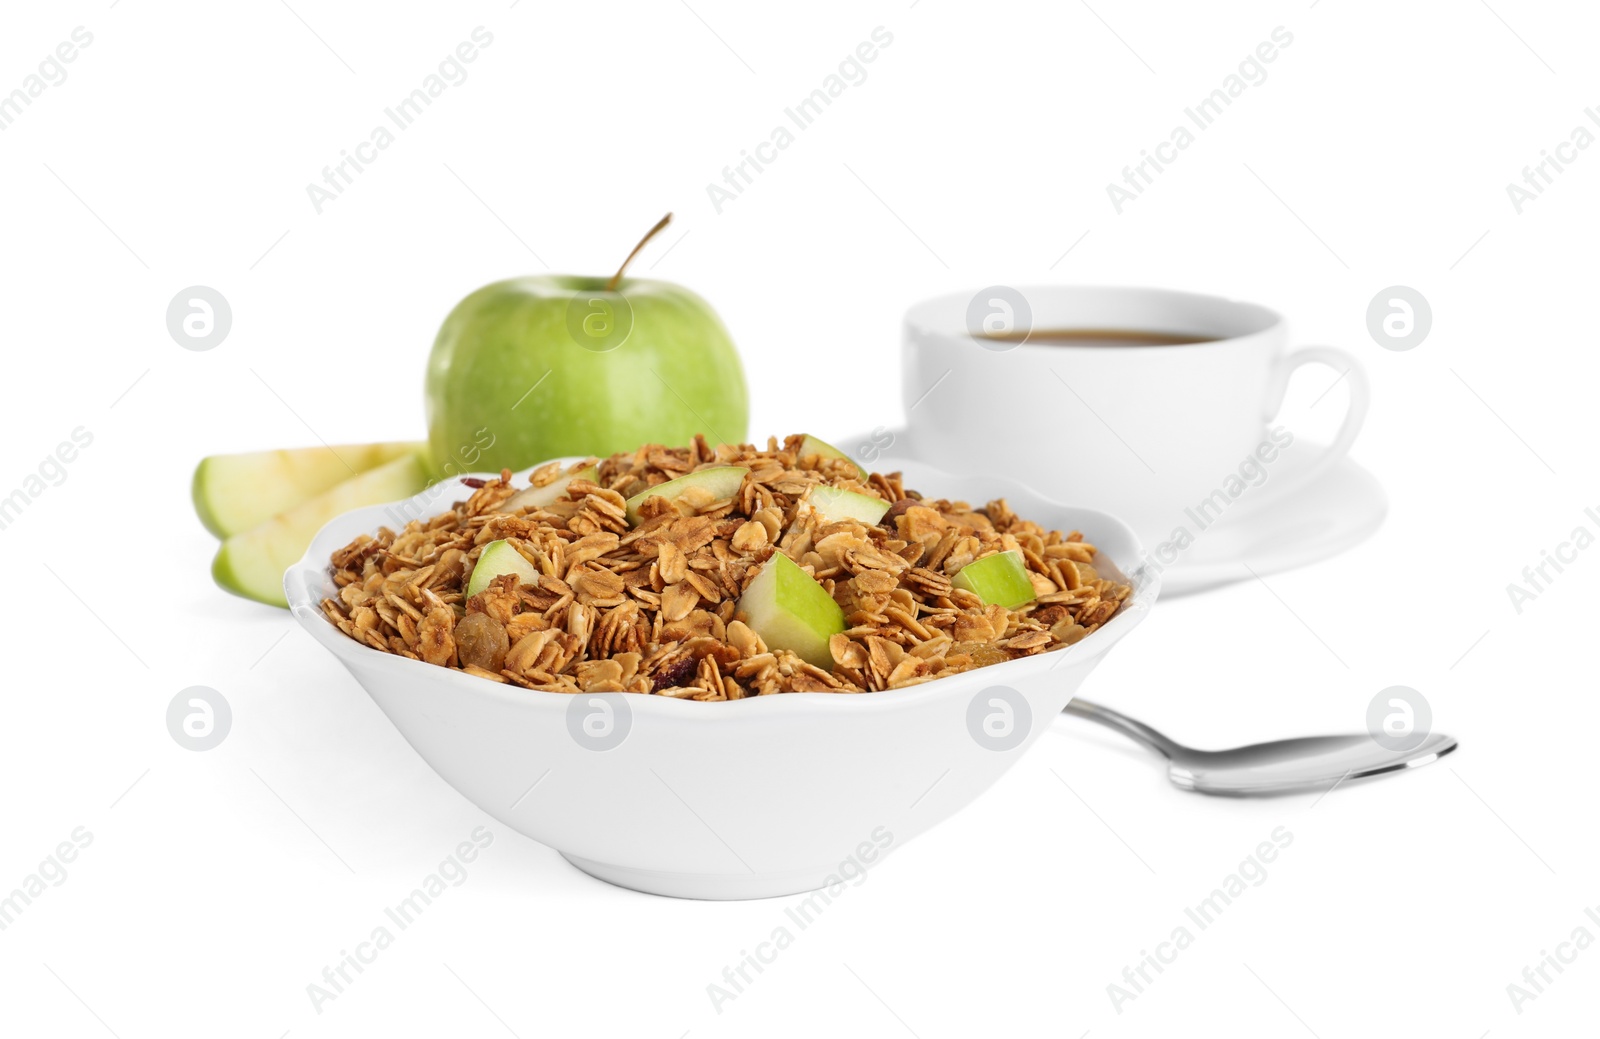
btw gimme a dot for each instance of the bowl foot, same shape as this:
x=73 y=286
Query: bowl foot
x=712 y=886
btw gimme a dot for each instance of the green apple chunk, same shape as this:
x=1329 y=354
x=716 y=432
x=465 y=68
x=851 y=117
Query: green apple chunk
x=539 y=497
x=790 y=610
x=497 y=559
x=233 y=493
x=999 y=580
x=722 y=482
x=252 y=563
x=813 y=446
x=833 y=504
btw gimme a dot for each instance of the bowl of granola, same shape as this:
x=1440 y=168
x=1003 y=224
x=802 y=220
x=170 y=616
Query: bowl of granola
x=722 y=672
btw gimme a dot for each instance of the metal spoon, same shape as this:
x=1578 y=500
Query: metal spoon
x=1280 y=767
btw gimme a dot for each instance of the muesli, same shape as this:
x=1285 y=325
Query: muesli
x=659 y=572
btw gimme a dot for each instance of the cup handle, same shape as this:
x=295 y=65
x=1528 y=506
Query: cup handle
x=1360 y=399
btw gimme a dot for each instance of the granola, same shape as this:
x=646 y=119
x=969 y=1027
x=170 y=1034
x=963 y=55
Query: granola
x=653 y=608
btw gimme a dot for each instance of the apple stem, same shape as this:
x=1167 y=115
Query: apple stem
x=611 y=286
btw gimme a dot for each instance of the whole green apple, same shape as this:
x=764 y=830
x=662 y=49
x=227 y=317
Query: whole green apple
x=542 y=367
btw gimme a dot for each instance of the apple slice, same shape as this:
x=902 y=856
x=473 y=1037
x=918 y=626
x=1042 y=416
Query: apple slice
x=233 y=493
x=833 y=504
x=721 y=481
x=791 y=611
x=496 y=559
x=539 y=497
x=813 y=446
x=999 y=580
x=252 y=563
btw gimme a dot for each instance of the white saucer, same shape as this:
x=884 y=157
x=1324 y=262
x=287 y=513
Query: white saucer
x=1334 y=513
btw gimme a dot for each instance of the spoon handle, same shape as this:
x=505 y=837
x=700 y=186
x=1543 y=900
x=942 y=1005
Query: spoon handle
x=1135 y=730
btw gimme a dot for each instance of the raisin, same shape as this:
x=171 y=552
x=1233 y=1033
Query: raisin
x=676 y=673
x=481 y=641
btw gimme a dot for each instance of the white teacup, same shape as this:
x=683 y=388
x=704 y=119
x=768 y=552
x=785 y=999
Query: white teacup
x=1166 y=437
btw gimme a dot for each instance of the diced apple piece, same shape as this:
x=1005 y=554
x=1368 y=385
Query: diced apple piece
x=233 y=493
x=539 y=497
x=252 y=563
x=833 y=504
x=813 y=446
x=790 y=610
x=999 y=580
x=721 y=482
x=497 y=559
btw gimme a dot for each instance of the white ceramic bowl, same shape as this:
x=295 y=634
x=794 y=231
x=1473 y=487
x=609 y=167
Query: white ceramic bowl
x=751 y=798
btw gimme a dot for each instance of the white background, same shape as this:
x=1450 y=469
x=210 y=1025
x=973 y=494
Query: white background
x=977 y=151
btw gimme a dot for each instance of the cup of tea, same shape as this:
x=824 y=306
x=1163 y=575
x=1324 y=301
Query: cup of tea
x=1156 y=405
